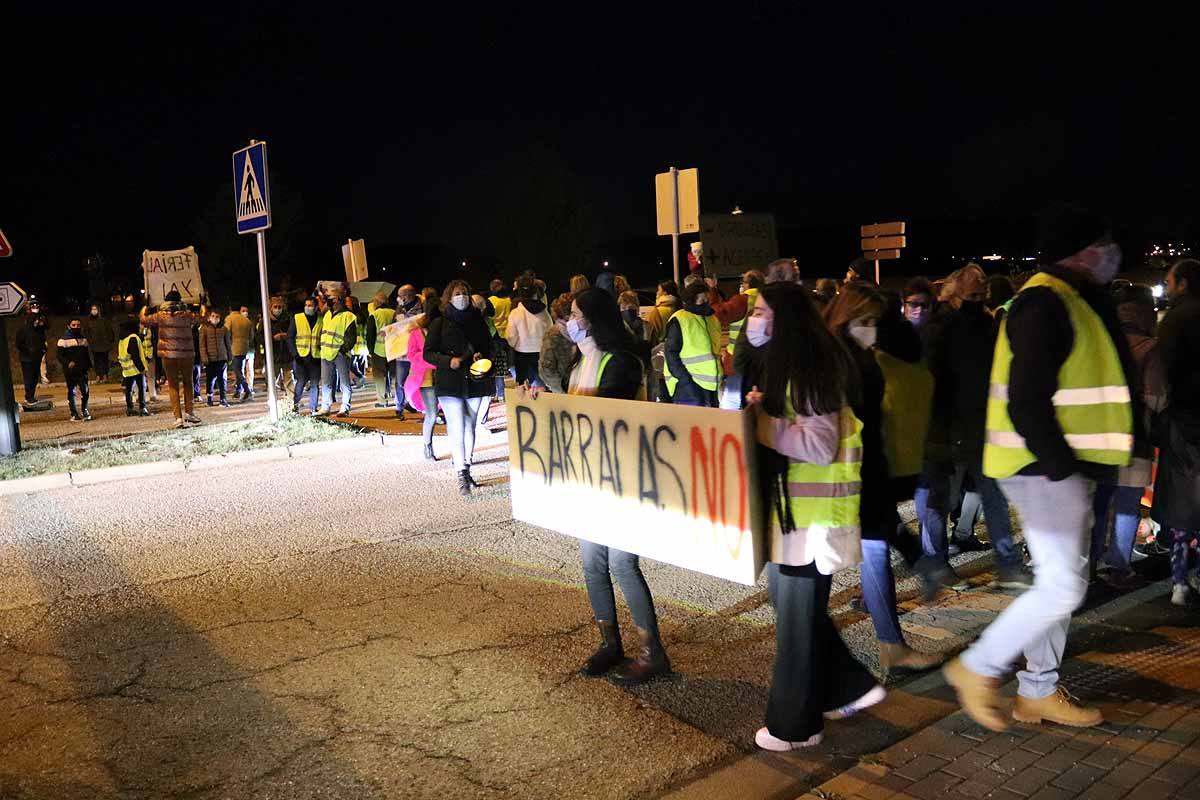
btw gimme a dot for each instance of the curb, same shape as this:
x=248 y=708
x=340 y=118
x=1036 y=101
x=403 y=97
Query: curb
x=92 y=477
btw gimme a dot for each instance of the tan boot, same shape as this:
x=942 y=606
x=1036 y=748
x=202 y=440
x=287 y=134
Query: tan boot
x=1059 y=707
x=978 y=695
x=900 y=658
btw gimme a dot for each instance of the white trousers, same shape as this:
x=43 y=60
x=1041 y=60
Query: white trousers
x=1056 y=518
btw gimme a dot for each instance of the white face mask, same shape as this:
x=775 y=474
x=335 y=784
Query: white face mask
x=460 y=301
x=758 y=331
x=575 y=332
x=865 y=335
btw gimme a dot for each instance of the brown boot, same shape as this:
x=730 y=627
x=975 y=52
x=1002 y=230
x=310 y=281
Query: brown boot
x=978 y=695
x=608 y=655
x=1059 y=707
x=900 y=658
x=651 y=661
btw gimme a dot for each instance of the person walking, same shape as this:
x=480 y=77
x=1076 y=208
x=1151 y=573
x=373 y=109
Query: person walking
x=280 y=352
x=810 y=448
x=419 y=386
x=31 y=349
x=304 y=343
x=734 y=313
x=75 y=358
x=241 y=337
x=453 y=343
x=691 y=365
x=339 y=333
x=359 y=352
x=557 y=349
x=409 y=308
x=131 y=357
x=98 y=330
x=1059 y=419
x=526 y=329
x=215 y=341
x=1177 y=429
x=174 y=322
x=382 y=315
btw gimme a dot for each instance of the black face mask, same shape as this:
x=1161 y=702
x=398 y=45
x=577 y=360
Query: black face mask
x=972 y=307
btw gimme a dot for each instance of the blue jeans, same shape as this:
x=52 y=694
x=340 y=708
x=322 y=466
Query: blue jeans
x=462 y=415
x=731 y=393
x=1181 y=554
x=931 y=500
x=306 y=370
x=339 y=368
x=1125 y=502
x=402 y=368
x=80 y=383
x=597 y=561
x=879 y=590
x=689 y=394
x=238 y=365
x=429 y=399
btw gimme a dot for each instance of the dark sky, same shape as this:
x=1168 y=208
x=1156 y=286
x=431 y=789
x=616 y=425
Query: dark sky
x=410 y=127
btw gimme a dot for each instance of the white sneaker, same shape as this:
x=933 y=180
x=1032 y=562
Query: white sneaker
x=1179 y=594
x=321 y=412
x=869 y=699
x=766 y=741
x=1194 y=582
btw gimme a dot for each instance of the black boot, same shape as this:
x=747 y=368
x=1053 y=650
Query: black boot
x=651 y=661
x=429 y=456
x=464 y=483
x=608 y=655
x=471 y=479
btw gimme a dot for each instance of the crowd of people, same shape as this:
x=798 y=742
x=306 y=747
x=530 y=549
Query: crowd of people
x=1062 y=398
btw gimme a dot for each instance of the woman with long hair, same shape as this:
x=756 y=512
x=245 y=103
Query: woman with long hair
x=853 y=317
x=606 y=365
x=453 y=342
x=418 y=387
x=810 y=456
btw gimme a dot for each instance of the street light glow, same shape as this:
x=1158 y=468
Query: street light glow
x=1157 y=290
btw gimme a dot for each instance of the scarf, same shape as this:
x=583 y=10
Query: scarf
x=585 y=378
x=464 y=316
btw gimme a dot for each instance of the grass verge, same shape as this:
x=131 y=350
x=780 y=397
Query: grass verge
x=51 y=456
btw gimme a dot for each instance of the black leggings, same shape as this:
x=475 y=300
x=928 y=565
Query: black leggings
x=129 y=383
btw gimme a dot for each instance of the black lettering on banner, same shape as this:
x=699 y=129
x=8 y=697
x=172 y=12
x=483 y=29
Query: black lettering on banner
x=647 y=490
x=523 y=442
x=568 y=425
x=556 y=456
x=606 y=461
x=618 y=426
x=584 y=464
x=661 y=429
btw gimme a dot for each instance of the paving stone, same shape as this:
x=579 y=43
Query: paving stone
x=1156 y=753
x=844 y=785
x=999 y=745
x=933 y=786
x=874 y=791
x=1061 y=759
x=1014 y=761
x=1079 y=777
x=1103 y=790
x=1029 y=781
x=968 y=765
x=1162 y=717
x=1180 y=770
x=1107 y=756
x=898 y=755
x=1045 y=743
x=921 y=766
x=897 y=783
x=1052 y=793
x=1129 y=774
x=1190 y=792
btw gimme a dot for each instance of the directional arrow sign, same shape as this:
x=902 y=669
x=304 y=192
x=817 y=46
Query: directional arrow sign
x=12 y=299
x=5 y=247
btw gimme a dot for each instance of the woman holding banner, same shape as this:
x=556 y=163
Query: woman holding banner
x=811 y=464
x=606 y=365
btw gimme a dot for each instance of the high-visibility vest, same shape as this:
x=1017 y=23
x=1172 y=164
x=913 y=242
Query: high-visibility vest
x=502 y=306
x=308 y=337
x=1092 y=403
x=360 y=342
x=147 y=346
x=333 y=333
x=826 y=497
x=735 y=327
x=128 y=368
x=907 y=400
x=604 y=359
x=383 y=317
x=701 y=343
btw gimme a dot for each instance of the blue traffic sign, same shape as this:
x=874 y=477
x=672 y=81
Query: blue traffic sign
x=251 y=196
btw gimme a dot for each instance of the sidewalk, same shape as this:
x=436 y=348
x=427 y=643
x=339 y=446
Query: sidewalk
x=1140 y=666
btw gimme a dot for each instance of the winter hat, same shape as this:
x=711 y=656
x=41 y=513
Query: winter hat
x=1067 y=228
x=172 y=296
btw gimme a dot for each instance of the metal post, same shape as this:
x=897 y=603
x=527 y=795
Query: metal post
x=268 y=344
x=675 y=217
x=10 y=414
x=877 y=283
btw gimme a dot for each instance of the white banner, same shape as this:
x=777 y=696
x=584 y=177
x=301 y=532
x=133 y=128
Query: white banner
x=167 y=270
x=672 y=483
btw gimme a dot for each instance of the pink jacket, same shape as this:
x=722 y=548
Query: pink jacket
x=416 y=375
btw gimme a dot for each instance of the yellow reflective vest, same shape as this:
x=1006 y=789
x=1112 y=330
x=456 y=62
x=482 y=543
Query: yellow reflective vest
x=1092 y=403
x=701 y=343
x=333 y=333
x=383 y=317
x=735 y=327
x=308 y=337
x=128 y=367
x=502 y=306
x=907 y=401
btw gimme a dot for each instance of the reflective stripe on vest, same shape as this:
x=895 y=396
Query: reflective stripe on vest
x=308 y=337
x=826 y=497
x=735 y=327
x=333 y=334
x=147 y=346
x=383 y=317
x=701 y=343
x=128 y=368
x=1092 y=403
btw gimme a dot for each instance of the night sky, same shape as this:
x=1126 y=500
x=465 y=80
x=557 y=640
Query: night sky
x=442 y=136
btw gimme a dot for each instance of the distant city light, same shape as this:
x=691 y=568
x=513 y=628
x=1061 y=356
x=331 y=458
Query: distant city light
x=464 y=263
x=606 y=263
x=737 y=210
x=993 y=257
x=1027 y=258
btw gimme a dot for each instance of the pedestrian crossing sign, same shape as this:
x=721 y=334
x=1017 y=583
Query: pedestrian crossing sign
x=251 y=196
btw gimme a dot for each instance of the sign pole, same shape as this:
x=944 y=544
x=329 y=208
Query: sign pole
x=10 y=420
x=675 y=230
x=268 y=342
x=877 y=272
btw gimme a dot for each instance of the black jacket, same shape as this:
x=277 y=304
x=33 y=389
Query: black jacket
x=1177 y=482
x=1041 y=337
x=74 y=355
x=446 y=339
x=877 y=508
x=960 y=357
x=1179 y=348
x=622 y=377
x=31 y=341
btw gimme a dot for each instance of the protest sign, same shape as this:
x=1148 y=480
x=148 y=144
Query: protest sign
x=735 y=243
x=672 y=483
x=354 y=257
x=396 y=336
x=167 y=270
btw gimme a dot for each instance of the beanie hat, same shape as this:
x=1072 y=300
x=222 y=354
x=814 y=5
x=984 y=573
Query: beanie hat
x=1067 y=228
